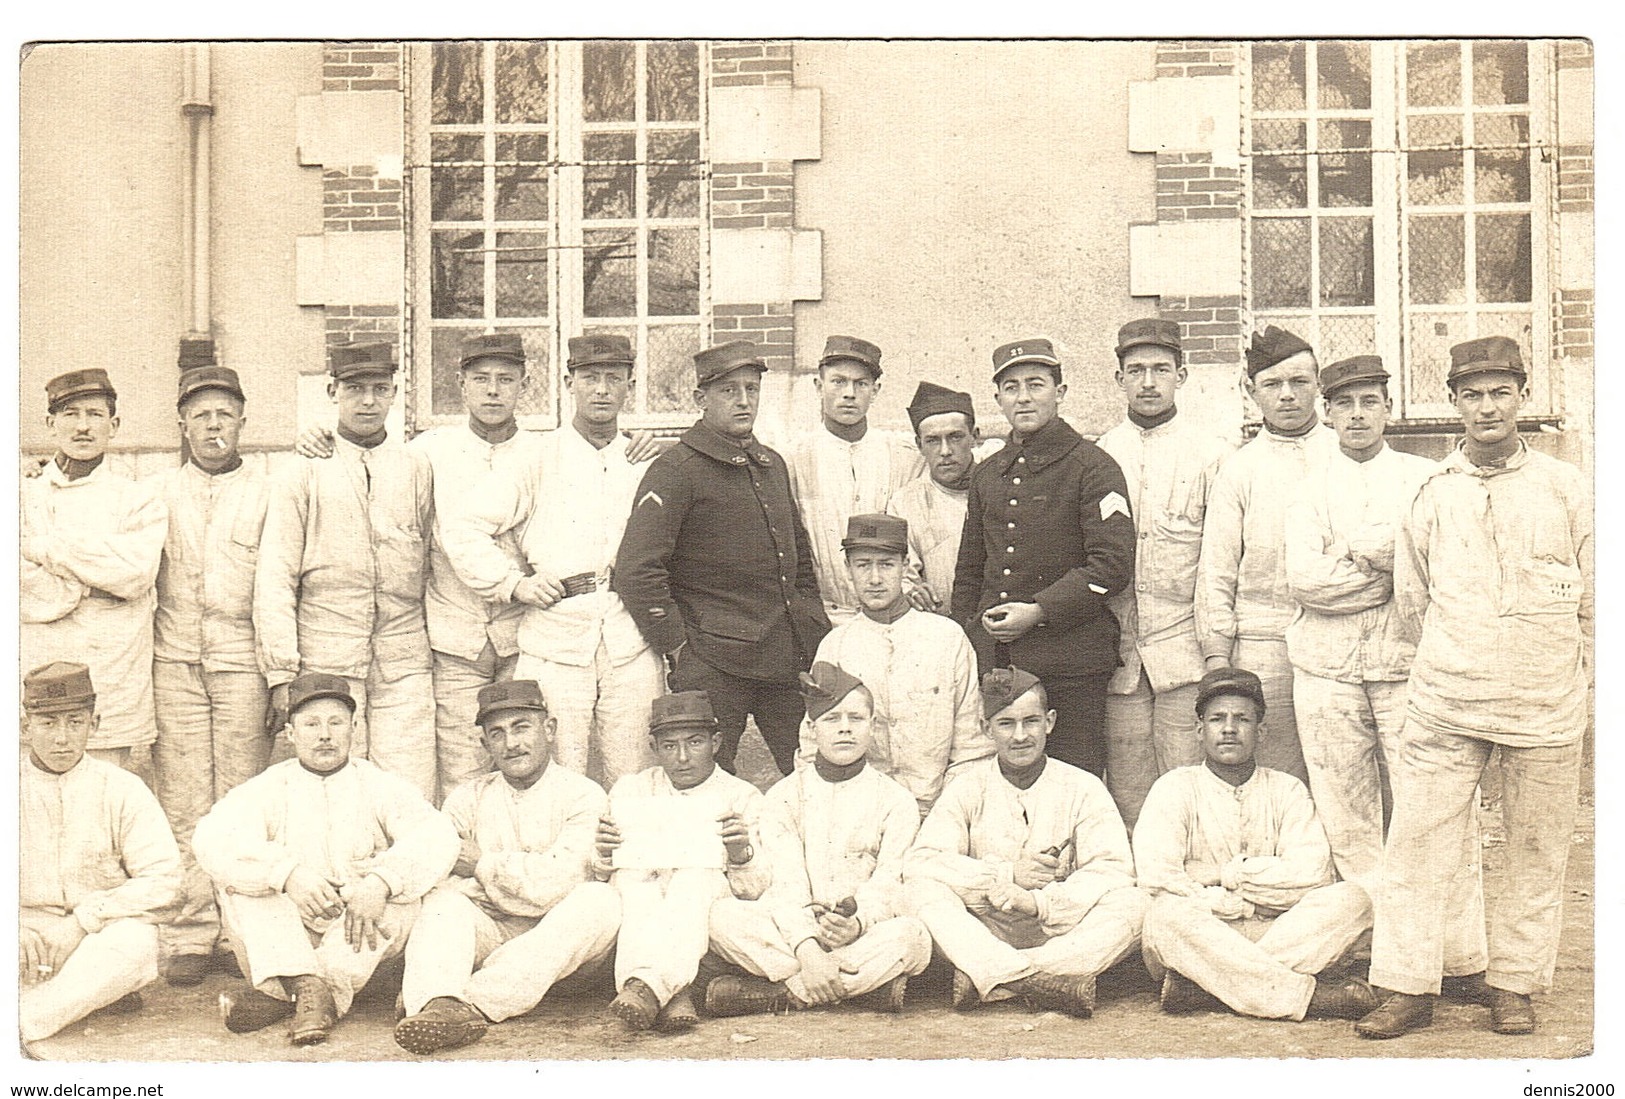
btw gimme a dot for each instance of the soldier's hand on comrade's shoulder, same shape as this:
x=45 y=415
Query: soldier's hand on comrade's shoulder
x=1035 y=869
x=641 y=447
x=33 y=467
x=314 y=442
x=314 y=895
x=540 y=589
x=921 y=599
x=364 y=903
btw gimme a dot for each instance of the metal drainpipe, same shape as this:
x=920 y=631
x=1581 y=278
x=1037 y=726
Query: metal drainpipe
x=197 y=342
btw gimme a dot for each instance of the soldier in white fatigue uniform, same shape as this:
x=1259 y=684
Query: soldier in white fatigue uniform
x=934 y=505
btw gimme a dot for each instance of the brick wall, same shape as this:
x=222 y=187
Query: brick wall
x=756 y=195
x=1575 y=322
x=1190 y=185
x=1576 y=186
x=1196 y=58
x=1210 y=328
x=748 y=64
x=772 y=326
x=361 y=67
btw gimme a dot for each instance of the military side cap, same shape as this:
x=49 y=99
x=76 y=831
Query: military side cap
x=1002 y=686
x=349 y=360
x=1485 y=355
x=515 y=694
x=825 y=685
x=607 y=348
x=882 y=532
x=77 y=383
x=492 y=345
x=1271 y=346
x=57 y=686
x=931 y=399
x=1023 y=351
x=313 y=685
x=680 y=709
x=199 y=378
x=862 y=352
x=724 y=359
x=1149 y=332
x=1351 y=371
x=1229 y=681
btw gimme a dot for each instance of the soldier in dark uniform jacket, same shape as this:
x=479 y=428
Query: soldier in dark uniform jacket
x=715 y=563
x=1048 y=540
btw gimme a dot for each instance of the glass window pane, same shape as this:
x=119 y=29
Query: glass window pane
x=1433 y=74
x=1438 y=261
x=674 y=272
x=609 y=273
x=1279 y=182
x=522 y=176
x=537 y=396
x=674 y=188
x=608 y=71
x=1345 y=178
x=456 y=274
x=1346 y=262
x=1500 y=174
x=674 y=81
x=1429 y=337
x=521 y=275
x=1434 y=178
x=1343 y=75
x=458 y=81
x=1502 y=252
x=607 y=189
x=1433 y=130
x=521 y=94
x=1278 y=76
x=1280 y=262
x=672 y=348
x=1342 y=335
x=456 y=193
x=445 y=351
x=1500 y=72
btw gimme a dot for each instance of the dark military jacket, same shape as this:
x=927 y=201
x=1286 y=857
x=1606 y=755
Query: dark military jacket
x=715 y=555
x=1047 y=523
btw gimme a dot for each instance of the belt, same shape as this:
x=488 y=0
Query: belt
x=585 y=583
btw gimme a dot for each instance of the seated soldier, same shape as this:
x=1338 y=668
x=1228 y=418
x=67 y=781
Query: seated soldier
x=919 y=668
x=1022 y=871
x=665 y=911
x=320 y=863
x=98 y=864
x=1244 y=906
x=828 y=928
x=521 y=909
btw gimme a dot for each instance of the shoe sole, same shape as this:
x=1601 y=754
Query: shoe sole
x=247 y=1021
x=1513 y=1028
x=310 y=1038
x=426 y=1036
x=632 y=1014
x=1384 y=1035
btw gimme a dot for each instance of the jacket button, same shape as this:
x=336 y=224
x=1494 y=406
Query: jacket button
x=1012 y=503
x=1016 y=481
x=1143 y=534
x=1009 y=549
x=1007 y=572
x=1022 y=459
x=1011 y=524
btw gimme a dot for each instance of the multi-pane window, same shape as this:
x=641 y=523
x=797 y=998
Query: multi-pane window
x=559 y=191
x=1392 y=199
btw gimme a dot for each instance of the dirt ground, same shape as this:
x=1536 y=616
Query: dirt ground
x=571 y=1024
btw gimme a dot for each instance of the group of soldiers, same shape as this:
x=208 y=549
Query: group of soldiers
x=1033 y=712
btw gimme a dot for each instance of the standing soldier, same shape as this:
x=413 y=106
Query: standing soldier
x=340 y=582
x=715 y=564
x=1169 y=462
x=1493 y=575
x=843 y=468
x=1243 y=604
x=207 y=688
x=945 y=431
x=1048 y=541
x=541 y=537
x=91 y=541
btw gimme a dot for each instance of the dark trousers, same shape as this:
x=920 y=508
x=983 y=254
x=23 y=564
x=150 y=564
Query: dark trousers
x=1079 y=737
x=777 y=707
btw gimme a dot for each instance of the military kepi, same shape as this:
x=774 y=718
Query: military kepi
x=77 y=383
x=199 y=378
x=1229 y=681
x=852 y=349
x=1002 y=686
x=824 y=685
x=881 y=532
x=724 y=359
x=931 y=399
x=1485 y=355
x=1271 y=346
x=681 y=709
x=605 y=349
x=351 y=360
x=492 y=345
x=58 y=686
x=1023 y=351
x=513 y=694
x=1351 y=371
x=313 y=685
x=1149 y=332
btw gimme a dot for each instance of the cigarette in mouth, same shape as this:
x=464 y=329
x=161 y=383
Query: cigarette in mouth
x=218 y=444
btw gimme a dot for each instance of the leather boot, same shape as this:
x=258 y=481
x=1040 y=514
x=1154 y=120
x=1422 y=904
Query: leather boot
x=679 y=1013
x=730 y=995
x=314 y=1013
x=1346 y=997
x=636 y=1006
x=245 y=1010
x=444 y=1023
x=1399 y=1014
x=1183 y=996
x=965 y=995
x=1073 y=996
x=1511 y=1012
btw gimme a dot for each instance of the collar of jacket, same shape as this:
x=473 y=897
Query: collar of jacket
x=1046 y=446
x=1460 y=463
x=712 y=444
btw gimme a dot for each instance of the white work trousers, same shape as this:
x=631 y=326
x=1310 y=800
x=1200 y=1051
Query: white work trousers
x=394 y=724
x=459 y=752
x=273 y=943
x=745 y=933
x=1148 y=734
x=1264 y=966
x=105 y=967
x=665 y=926
x=994 y=948
x=1278 y=748
x=1435 y=779
x=211 y=737
x=504 y=965
x=602 y=710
